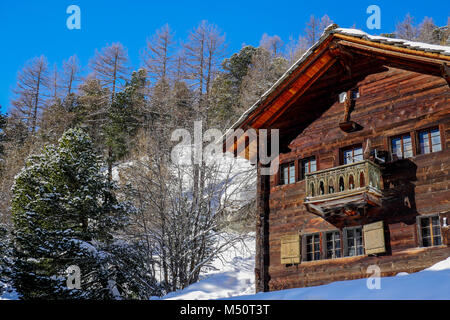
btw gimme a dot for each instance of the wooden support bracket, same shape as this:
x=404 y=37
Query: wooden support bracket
x=445 y=71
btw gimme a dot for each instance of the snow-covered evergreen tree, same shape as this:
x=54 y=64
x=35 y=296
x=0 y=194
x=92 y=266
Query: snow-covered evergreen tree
x=65 y=213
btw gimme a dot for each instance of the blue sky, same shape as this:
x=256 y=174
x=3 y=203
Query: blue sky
x=32 y=28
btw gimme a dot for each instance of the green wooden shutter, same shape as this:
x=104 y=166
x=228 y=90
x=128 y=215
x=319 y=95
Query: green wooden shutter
x=374 y=238
x=290 y=249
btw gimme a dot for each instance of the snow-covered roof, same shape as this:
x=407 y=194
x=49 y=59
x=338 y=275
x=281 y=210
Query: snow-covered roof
x=333 y=29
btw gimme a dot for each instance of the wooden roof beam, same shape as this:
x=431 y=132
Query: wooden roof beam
x=343 y=56
x=299 y=87
x=409 y=61
x=445 y=71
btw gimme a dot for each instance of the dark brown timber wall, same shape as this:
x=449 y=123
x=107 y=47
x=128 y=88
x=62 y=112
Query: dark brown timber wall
x=391 y=102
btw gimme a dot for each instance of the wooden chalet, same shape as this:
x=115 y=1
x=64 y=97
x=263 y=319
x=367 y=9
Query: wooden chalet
x=364 y=175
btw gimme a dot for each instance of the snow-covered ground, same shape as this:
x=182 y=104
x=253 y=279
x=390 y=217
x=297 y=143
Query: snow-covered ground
x=8 y=293
x=231 y=275
x=235 y=280
x=430 y=284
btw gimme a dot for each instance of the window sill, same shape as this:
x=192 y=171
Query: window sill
x=324 y=261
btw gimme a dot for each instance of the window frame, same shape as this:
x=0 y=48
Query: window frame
x=302 y=173
x=305 y=246
x=347 y=148
x=289 y=164
x=334 y=249
x=430 y=225
x=345 y=240
x=401 y=136
x=428 y=130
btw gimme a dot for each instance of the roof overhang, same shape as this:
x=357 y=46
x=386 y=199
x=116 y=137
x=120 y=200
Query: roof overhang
x=337 y=45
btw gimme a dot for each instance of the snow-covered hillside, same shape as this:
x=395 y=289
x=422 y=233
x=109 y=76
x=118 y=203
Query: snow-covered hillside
x=235 y=280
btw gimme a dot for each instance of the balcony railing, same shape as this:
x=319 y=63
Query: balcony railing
x=349 y=186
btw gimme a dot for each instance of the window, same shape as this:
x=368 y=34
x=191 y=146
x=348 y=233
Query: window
x=333 y=243
x=430 y=231
x=402 y=146
x=352 y=154
x=313 y=247
x=353 y=242
x=354 y=93
x=287 y=173
x=429 y=141
x=308 y=165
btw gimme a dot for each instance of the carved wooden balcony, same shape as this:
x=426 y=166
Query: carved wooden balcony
x=344 y=191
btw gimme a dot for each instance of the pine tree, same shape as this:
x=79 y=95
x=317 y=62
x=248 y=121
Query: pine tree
x=64 y=214
x=125 y=116
x=226 y=88
x=262 y=74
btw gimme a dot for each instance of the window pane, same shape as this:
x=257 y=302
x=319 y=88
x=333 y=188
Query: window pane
x=396 y=147
x=437 y=147
x=308 y=165
x=436 y=140
x=358 y=154
x=437 y=241
x=313 y=165
x=424 y=142
x=436 y=231
x=316 y=246
x=348 y=156
x=435 y=221
x=352 y=252
x=425 y=222
x=285 y=175
x=407 y=147
x=292 y=173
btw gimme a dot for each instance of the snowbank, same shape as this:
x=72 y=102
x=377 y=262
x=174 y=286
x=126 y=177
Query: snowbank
x=430 y=284
x=235 y=281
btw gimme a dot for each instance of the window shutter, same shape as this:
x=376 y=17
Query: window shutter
x=290 y=249
x=374 y=238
